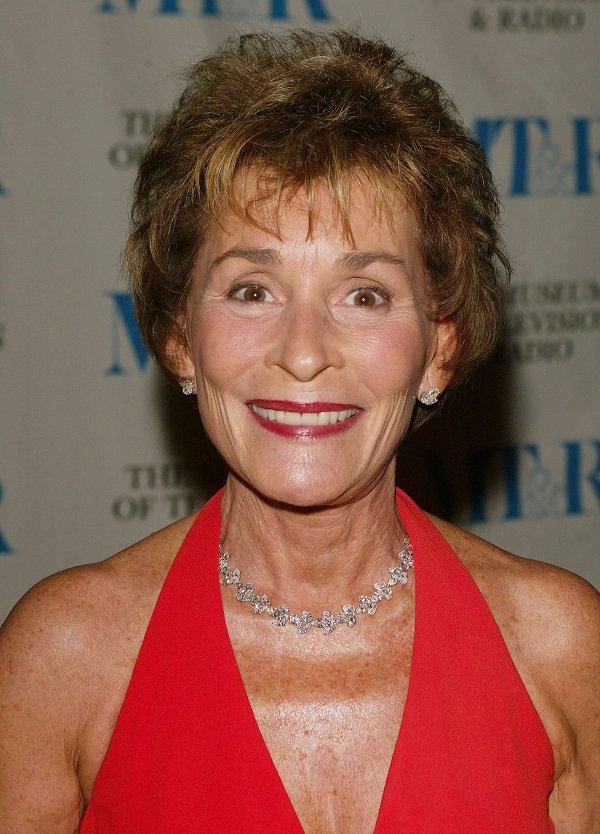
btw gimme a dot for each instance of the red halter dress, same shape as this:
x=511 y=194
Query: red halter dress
x=471 y=757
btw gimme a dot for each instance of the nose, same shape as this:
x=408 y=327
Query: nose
x=305 y=343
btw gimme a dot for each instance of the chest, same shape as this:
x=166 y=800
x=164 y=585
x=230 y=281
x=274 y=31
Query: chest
x=328 y=715
x=330 y=719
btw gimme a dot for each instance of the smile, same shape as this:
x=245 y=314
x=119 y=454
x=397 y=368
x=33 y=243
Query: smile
x=304 y=421
x=304 y=418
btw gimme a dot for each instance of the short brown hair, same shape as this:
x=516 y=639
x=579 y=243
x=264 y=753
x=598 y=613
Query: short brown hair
x=308 y=108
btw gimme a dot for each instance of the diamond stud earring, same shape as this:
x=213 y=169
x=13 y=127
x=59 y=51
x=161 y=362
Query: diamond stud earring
x=188 y=386
x=430 y=396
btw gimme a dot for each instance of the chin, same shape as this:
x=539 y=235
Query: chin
x=302 y=492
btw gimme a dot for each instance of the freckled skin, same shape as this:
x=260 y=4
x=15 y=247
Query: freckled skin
x=311 y=521
x=322 y=704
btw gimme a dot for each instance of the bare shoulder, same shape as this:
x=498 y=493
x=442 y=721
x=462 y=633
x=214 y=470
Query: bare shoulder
x=85 y=597
x=527 y=596
x=550 y=621
x=66 y=653
x=88 y=612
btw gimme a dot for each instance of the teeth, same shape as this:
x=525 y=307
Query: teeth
x=297 y=418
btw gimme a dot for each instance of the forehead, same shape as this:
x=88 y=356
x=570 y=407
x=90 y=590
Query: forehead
x=355 y=218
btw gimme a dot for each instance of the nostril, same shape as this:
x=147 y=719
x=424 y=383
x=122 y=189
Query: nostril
x=304 y=347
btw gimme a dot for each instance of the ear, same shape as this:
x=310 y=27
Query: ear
x=444 y=340
x=178 y=353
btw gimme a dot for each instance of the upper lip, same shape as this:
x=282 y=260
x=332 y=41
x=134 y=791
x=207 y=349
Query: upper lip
x=303 y=408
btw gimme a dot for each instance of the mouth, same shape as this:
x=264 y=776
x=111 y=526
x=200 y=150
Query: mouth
x=327 y=417
x=303 y=419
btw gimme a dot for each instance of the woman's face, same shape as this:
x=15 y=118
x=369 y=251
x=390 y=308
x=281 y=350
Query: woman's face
x=308 y=350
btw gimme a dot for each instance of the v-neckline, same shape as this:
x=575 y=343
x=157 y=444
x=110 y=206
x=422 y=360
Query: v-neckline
x=187 y=747
x=264 y=751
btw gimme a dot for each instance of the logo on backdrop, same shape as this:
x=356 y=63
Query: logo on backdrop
x=5 y=548
x=152 y=488
x=129 y=354
x=531 y=156
x=524 y=481
x=137 y=126
x=549 y=321
x=284 y=10
x=521 y=16
x=535 y=156
x=506 y=483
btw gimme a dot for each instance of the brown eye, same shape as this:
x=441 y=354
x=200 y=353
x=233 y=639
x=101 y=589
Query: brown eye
x=365 y=298
x=368 y=297
x=250 y=293
x=254 y=294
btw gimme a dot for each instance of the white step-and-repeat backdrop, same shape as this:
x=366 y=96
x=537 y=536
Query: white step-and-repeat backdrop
x=97 y=451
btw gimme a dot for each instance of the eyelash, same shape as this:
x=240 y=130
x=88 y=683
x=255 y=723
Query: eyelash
x=237 y=288
x=379 y=291
x=376 y=290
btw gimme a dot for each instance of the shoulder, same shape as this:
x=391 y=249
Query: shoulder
x=555 y=607
x=66 y=653
x=550 y=621
x=64 y=610
x=68 y=595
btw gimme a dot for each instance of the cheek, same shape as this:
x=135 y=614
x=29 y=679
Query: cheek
x=221 y=348
x=393 y=358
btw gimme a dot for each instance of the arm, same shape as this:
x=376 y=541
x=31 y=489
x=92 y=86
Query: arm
x=575 y=800
x=550 y=619
x=41 y=694
x=66 y=655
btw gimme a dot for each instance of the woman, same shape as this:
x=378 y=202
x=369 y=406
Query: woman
x=315 y=254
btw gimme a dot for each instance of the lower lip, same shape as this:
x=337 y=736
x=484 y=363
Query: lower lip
x=305 y=431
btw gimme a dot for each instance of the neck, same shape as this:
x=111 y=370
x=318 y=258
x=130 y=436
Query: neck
x=312 y=557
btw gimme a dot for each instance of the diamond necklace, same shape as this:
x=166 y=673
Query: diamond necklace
x=304 y=621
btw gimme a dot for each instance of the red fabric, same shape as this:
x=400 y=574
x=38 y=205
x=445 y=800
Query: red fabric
x=187 y=754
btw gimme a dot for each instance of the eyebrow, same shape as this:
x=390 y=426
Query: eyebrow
x=349 y=260
x=359 y=260
x=255 y=256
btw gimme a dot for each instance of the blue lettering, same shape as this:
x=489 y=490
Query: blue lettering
x=536 y=162
x=512 y=466
x=529 y=488
x=478 y=465
x=584 y=154
x=575 y=477
x=5 y=548
x=488 y=132
x=478 y=462
x=316 y=10
x=123 y=320
x=594 y=476
x=277 y=9
x=164 y=6
x=583 y=174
